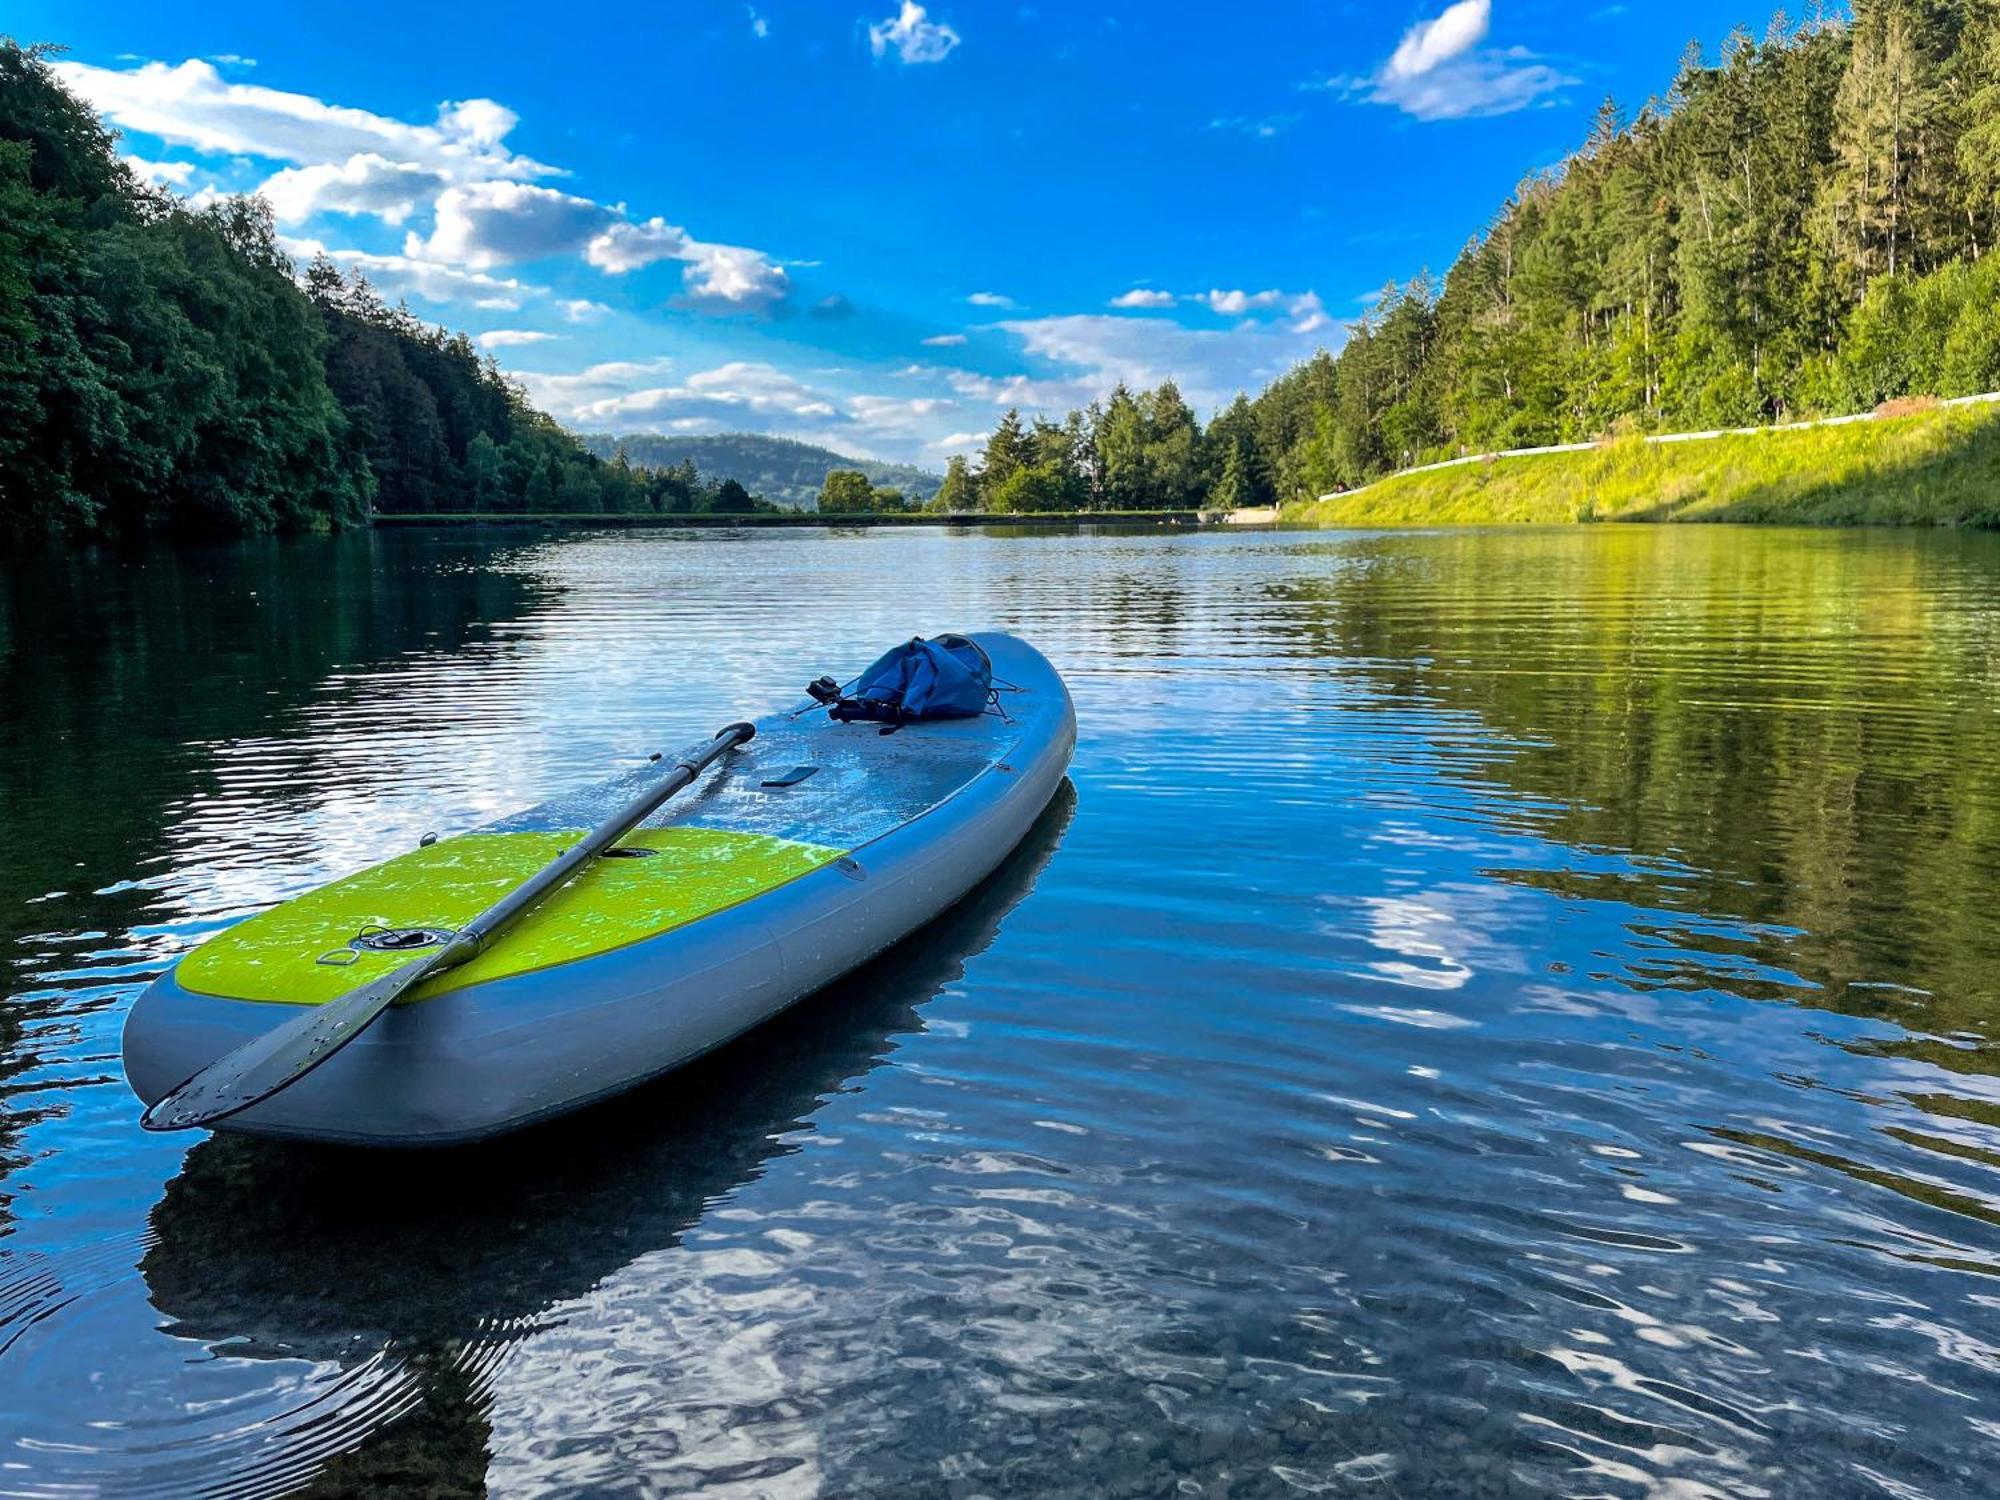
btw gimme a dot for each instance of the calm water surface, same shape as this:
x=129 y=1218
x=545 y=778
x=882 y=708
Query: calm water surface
x=1498 y=1014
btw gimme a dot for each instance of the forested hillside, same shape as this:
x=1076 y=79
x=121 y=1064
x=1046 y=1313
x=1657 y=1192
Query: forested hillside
x=161 y=368
x=1803 y=225
x=782 y=470
x=443 y=431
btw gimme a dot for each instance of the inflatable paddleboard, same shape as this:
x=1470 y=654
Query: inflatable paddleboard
x=792 y=859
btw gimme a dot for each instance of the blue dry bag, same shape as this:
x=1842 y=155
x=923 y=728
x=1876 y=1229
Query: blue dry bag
x=948 y=678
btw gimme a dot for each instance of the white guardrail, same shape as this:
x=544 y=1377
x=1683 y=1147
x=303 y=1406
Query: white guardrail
x=1987 y=398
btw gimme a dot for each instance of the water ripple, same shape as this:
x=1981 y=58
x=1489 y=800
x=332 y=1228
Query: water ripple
x=1498 y=1015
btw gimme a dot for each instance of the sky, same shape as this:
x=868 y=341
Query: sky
x=873 y=224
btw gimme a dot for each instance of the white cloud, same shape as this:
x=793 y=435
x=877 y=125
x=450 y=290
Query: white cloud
x=959 y=442
x=1236 y=303
x=482 y=205
x=728 y=276
x=1304 y=308
x=166 y=173
x=193 y=105
x=738 y=396
x=479 y=121
x=944 y=341
x=496 y=223
x=560 y=394
x=365 y=183
x=405 y=275
x=509 y=338
x=914 y=36
x=759 y=386
x=233 y=60
x=1090 y=352
x=1031 y=392
x=1486 y=84
x=582 y=310
x=1430 y=44
x=1261 y=127
x=759 y=27
x=1138 y=351
x=741 y=395
x=990 y=299
x=624 y=246
x=733 y=276
x=1308 y=313
x=895 y=416
x=1441 y=71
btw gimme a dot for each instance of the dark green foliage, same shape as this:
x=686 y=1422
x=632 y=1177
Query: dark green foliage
x=1234 y=471
x=1032 y=487
x=69 y=152
x=157 y=365
x=1143 y=452
x=1172 y=437
x=846 y=492
x=442 y=430
x=959 y=492
x=1007 y=452
x=160 y=369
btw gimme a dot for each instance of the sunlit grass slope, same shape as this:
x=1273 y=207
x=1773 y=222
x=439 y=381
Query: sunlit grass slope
x=1932 y=468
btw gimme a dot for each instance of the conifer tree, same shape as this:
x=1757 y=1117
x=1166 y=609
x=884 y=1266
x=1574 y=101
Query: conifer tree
x=1121 y=441
x=1879 y=124
x=1007 y=450
x=958 y=492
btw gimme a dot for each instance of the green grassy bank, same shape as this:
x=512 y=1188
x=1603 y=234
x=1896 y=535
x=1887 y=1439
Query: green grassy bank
x=1932 y=468
x=643 y=519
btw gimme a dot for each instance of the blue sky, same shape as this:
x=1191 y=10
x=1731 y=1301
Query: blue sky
x=873 y=224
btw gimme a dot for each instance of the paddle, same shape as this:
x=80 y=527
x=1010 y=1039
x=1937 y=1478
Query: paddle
x=282 y=1056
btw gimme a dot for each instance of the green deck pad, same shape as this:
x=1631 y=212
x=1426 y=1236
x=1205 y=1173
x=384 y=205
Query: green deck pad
x=695 y=872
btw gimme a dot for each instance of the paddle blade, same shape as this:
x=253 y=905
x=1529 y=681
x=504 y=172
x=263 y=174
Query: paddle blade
x=282 y=1056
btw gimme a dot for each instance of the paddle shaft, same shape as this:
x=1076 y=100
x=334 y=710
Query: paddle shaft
x=279 y=1058
x=474 y=935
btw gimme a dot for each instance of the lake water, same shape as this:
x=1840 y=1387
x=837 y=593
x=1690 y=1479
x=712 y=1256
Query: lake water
x=1498 y=1014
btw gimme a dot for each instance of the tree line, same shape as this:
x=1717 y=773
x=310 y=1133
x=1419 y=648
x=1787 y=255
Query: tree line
x=849 y=492
x=439 y=429
x=1803 y=226
x=1143 y=451
x=163 y=368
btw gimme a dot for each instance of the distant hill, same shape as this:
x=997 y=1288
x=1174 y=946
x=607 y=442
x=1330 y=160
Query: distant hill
x=780 y=470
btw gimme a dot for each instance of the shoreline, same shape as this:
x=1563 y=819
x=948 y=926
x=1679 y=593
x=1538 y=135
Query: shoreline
x=629 y=520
